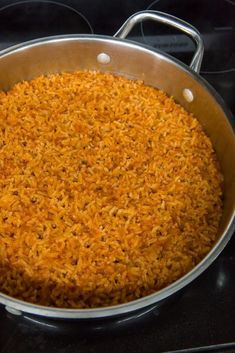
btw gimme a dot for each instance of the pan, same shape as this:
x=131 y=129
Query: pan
x=118 y=55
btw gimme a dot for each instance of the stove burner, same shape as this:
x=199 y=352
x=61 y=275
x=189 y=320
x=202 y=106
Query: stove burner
x=219 y=27
x=92 y=327
x=86 y=327
x=30 y=19
x=83 y=327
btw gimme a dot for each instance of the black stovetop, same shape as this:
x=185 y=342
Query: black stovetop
x=204 y=315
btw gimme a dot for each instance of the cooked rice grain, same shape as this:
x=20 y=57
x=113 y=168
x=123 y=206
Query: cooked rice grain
x=110 y=190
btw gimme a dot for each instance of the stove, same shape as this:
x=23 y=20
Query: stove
x=202 y=317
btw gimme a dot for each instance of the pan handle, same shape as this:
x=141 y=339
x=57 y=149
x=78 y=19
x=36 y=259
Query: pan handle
x=170 y=21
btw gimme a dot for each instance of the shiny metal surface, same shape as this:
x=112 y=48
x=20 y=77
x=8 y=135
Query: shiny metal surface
x=171 y=21
x=68 y=53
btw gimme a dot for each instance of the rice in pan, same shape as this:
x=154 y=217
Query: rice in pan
x=110 y=190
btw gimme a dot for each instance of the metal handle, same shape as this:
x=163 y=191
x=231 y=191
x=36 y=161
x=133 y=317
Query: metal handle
x=170 y=21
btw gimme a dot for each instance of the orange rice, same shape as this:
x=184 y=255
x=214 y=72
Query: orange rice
x=110 y=190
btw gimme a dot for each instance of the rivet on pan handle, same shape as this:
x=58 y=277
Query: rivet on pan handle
x=170 y=21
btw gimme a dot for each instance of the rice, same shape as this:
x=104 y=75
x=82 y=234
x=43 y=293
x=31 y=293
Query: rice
x=110 y=190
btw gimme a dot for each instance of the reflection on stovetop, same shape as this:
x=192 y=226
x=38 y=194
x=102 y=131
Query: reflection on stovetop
x=203 y=316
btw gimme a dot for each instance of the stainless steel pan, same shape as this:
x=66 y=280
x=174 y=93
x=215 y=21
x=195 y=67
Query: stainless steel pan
x=120 y=56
